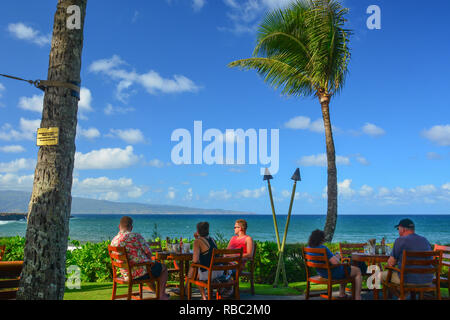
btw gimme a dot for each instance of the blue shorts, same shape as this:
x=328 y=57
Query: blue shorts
x=155 y=270
x=337 y=273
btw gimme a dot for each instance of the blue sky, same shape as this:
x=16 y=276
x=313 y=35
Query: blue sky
x=151 y=67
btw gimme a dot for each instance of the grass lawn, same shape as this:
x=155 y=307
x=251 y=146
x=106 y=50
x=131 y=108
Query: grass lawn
x=102 y=291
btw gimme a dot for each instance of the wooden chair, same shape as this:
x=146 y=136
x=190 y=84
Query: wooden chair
x=119 y=259
x=2 y=252
x=346 y=250
x=415 y=262
x=321 y=261
x=445 y=262
x=249 y=270
x=219 y=261
x=9 y=279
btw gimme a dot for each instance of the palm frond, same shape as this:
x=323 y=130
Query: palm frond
x=308 y=42
x=278 y=74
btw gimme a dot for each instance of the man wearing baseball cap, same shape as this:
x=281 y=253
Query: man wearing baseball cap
x=409 y=241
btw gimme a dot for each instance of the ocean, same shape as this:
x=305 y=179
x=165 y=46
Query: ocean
x=350 y=228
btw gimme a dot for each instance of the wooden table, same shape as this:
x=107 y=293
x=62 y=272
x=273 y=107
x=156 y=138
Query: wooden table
x=183 y=261
x=370 y=259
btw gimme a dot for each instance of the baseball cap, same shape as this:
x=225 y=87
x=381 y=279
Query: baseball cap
x=405 y=223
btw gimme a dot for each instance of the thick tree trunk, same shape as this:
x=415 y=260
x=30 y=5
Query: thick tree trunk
x=330 y=224
x=44 y=269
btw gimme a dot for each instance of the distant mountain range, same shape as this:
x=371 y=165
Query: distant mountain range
x=17 y=202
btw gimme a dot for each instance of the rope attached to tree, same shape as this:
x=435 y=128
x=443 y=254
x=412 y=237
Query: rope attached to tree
x=44 y=84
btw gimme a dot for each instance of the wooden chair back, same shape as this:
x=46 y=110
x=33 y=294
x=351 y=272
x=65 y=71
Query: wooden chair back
x=119 y=259
x=249 y=270
x=445 y=263
x=2 y=252
x=221 y=261
x=316 y=258
x=346 y=250
x=445 y=254
x=9 y=279
x=421 y=262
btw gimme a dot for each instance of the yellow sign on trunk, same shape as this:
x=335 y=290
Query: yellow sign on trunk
x=47 y=137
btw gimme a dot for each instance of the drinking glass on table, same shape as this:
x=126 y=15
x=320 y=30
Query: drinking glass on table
x=366 y=250
x=388 y=250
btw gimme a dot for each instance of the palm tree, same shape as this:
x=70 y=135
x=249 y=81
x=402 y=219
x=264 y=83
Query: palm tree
x=44 y=265
x=304 y=50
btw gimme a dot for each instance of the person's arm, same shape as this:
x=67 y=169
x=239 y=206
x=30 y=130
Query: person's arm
x=249 y=244
x=391 y=261
x=147 y=250
x=396 y=252
x=229 y=244
x=332 y=258
x=196 y=254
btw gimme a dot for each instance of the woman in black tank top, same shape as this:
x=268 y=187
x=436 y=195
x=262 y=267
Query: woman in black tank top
x=203 y=248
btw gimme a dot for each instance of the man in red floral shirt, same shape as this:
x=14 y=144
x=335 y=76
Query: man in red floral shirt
x=139 y=252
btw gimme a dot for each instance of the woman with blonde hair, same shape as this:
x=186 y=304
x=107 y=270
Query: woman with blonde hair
x=241 y=240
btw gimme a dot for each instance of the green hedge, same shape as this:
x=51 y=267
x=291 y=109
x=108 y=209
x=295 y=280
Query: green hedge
x=95 y=265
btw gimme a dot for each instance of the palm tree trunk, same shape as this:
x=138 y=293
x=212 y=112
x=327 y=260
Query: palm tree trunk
x=330 y=224
x=44 y=268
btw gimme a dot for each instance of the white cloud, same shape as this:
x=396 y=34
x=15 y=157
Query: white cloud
x=12 y=181
x=110 y=158
x=286 y=194
x=198 y=4
x=112 y=110
x=438 y=134
x=256 y=193
x=36 y=102
x=344 y=188
x=84 y=105
x=12 y=149
x=298 y=123
x=362 y=160
x=434 y=156
x=17 y=165
x=423 y=190
x=156 y=163
x=171 y=193
x=372 y=130
x=90 y=133
x=244 y=15
x=366 y=191
x=104 y=188
x=23 y=32
x=151 y=81
x=305 y=123
x=189 y=195
x=393 y=196
x=320 y=160
x=220 y=195
x=2 y=89
x=131 y=136
x=26 y=131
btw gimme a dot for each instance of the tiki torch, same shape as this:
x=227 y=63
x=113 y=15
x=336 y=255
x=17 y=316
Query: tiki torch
x=268 y=177
x=296 y=177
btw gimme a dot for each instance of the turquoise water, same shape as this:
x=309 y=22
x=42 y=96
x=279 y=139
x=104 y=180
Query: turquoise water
x=351 y=228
